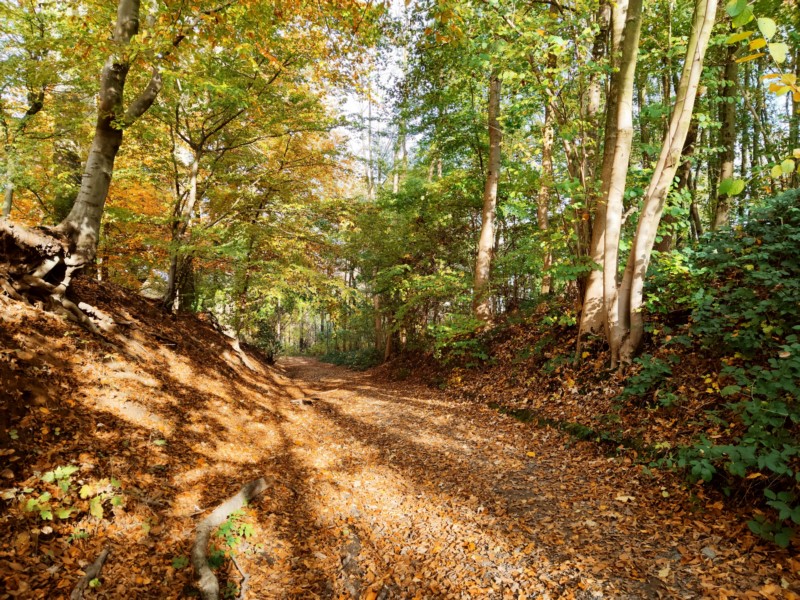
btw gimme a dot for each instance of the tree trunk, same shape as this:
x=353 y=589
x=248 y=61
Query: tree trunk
x=180 y=225
x=82 y=225
x=67 y=177
x=617 y=174
x=631 y=291
x=592 y=319
x=545 y=183
x=728 y=137
x=8 y=195
x=481 y=306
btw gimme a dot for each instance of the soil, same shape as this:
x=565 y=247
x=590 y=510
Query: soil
x=377 y=489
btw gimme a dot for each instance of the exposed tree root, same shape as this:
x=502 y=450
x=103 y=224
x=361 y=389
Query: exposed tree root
x=206 y=580
x=92 y=572
x=36 y=267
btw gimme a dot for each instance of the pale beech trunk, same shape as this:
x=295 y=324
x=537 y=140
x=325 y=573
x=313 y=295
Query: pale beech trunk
x=82 y=225
x=180 y=227
x=545 y=183
x=632 y=288
x=36 y=105
x=483 y=263
x=728 y=136
x=614 y=185
x=8 y=196
x=592 y=318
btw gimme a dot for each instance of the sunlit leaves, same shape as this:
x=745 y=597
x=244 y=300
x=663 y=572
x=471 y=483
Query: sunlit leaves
x=778 y=52
x=731 y=187
x=767 y=27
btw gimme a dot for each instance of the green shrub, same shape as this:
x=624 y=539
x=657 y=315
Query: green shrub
x=747 y=312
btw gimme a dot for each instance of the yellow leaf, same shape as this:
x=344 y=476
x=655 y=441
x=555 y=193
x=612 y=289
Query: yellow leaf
x=531 y=454
x=745 y=59
x=759 y=43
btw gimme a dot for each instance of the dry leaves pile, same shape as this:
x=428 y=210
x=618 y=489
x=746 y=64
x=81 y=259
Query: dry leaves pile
x=377 y=489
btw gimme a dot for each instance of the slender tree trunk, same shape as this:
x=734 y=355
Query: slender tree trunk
x=728 y=137
x=617 y=174
x=8 y=195
x=180 y=226
x=82 y=225
x=592 y=318
x=481 y=306
x=36 y=105
x=794 y=125
x=545 y=184
x=631 y=292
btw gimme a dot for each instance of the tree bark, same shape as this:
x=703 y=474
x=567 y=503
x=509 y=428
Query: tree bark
x=82 y=225
x=728 y=137
x=180 y=226
x=631 y=291
x=481 y=306
x=617 y=174
x=592 y=317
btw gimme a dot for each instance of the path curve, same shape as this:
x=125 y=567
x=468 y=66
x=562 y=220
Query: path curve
x=398 y=491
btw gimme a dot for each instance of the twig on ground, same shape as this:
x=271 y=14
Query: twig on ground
x=206 y=580
x=245 y=579
x=92 y=572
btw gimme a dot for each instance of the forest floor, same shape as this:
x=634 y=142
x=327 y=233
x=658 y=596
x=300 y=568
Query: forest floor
x=378 y=489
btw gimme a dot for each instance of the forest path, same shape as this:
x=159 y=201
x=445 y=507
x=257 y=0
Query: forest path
x=417 y=495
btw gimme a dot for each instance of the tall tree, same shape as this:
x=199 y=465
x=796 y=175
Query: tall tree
x=486 y=242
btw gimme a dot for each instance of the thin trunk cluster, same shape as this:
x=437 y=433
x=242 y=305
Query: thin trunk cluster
x=622 y=301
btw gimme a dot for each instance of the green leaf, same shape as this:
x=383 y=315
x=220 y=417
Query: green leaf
x=49 y=477
x=744 y=17
x=179 y=562
x=160 y=442
x=783 y=537
x=86 y=491
x=776 y=171
x=737 y=187
x=95 y=583
x=63 y=513
x=738 y=37
x=787 y=166
x=778 y=52
x=767 y=27
x=46 y=515
x=735 y=7
x=729 y=390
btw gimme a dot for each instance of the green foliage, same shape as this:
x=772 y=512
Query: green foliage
x=458 y=341
x=62 y=498
x=652 y=379
x=745 y=312
x=359 y=359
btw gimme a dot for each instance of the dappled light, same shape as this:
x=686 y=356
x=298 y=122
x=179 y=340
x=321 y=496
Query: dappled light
x=400 y=299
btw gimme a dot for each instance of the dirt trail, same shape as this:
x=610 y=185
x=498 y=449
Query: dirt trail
x=377 y=489
x=418 y=496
